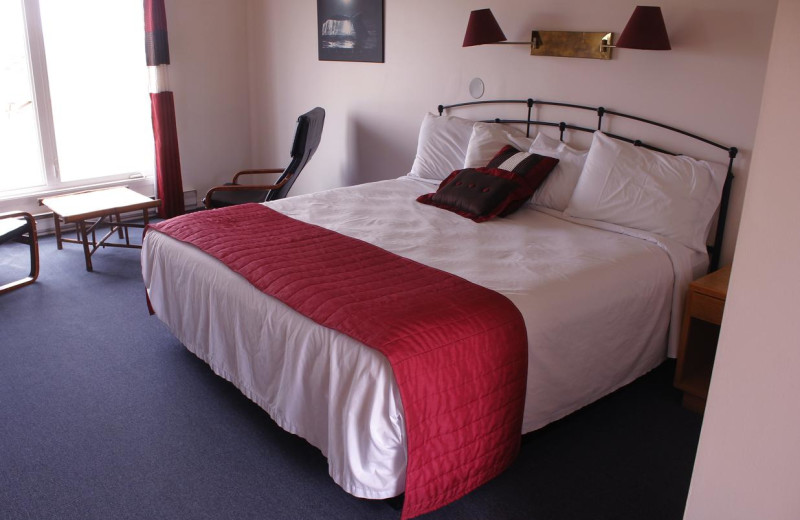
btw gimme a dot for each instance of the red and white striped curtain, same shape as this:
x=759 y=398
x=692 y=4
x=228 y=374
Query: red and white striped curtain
x=168 y=162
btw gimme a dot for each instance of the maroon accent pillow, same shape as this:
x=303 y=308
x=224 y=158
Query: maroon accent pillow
x=533 y=167
x=480 y=194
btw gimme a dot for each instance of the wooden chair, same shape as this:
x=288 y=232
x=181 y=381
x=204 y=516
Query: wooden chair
x=20 y=226
x=306 y=141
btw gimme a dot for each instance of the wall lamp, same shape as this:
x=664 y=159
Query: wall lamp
x=644 y=30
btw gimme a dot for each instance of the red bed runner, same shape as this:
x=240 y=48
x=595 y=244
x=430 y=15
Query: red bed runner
x=458 y=350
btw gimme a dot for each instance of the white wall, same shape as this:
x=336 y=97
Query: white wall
x=209 y=77
x=748 y=460
x=710 y=83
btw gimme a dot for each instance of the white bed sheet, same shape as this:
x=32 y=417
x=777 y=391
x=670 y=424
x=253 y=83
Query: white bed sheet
x=597 y=301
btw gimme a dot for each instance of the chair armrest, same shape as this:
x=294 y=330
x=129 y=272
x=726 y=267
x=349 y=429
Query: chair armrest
x=17 y=214
x=255 y=172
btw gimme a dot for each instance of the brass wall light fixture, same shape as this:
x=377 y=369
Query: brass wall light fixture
x=644 y=30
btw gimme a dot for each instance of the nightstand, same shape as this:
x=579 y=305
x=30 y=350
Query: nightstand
x=702 y=317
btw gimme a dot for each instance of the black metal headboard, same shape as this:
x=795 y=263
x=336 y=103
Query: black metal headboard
x=714 y=250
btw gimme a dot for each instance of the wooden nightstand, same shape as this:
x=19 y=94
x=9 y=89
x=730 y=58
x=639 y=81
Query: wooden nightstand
x=702 y=317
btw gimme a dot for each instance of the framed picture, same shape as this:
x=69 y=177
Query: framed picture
x=350 y=30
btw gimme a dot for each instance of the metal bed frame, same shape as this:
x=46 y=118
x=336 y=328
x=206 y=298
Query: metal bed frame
x=714 y=250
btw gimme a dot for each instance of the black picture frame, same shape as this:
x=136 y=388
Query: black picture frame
x=350 y=30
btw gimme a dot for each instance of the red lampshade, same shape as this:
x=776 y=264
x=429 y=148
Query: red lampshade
x=482 y=28
x=645 y=30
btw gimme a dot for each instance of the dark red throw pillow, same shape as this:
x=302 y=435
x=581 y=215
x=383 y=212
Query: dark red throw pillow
x=499 y=189
x=480 y=194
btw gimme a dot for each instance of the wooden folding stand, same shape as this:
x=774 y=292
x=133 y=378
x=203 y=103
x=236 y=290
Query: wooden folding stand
x=104 y=204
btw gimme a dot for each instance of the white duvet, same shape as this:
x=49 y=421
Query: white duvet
x=597 y=300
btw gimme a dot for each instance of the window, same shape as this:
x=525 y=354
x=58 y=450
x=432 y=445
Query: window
x=20 y=151
x=74 y=105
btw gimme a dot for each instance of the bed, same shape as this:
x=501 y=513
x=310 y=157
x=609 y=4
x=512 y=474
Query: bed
x=601 y=301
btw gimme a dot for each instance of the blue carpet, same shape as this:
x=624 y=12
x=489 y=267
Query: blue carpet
x=103 y=414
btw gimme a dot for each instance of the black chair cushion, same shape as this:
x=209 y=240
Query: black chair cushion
x=232 y=198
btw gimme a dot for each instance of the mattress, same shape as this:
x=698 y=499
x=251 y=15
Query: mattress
x=601 y=306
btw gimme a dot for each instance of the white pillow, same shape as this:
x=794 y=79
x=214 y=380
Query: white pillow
x=488 y=139
x=673 y=196
x=557 y=188
x=441 y=147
